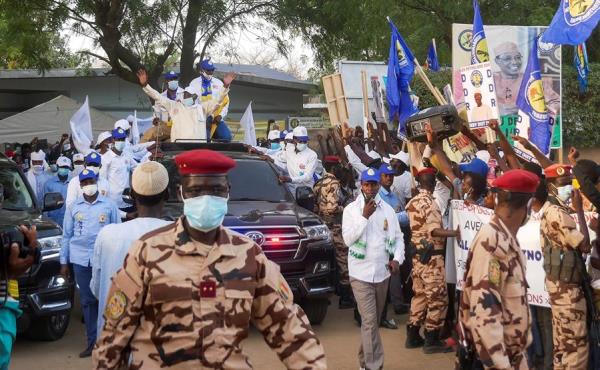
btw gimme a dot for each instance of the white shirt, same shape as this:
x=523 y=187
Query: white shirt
x=301 y=167
x=442 y=195
x=74 y=190
x=117 y=170
x=178 y=94
x=217 y=87
x=402 y=187
x=110 y=252
x=277 y=155
x=372 y=268
x=482 y=113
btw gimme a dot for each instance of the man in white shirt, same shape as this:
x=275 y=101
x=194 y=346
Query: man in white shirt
x=149 y=190
x=117 y=168
x=403 y=182
x=480 y=112
x=301 y=162
x=173 y=91
x=93 y=163
x=371 y=231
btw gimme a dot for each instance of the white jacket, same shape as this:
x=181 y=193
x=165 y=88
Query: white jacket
x=301 y=167
x=382 y=224
x=217 y=87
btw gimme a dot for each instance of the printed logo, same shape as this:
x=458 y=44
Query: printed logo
x=476 y=78
x=257 y=237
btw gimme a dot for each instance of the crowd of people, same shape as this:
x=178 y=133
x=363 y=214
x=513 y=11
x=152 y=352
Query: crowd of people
x=148 y=286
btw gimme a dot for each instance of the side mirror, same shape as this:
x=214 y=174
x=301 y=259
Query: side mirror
x=305 y=198
x=127 y=198
x=53 y=201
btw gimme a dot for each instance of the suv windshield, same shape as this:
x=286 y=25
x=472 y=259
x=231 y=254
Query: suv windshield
x=250 y=180
x=15 y=195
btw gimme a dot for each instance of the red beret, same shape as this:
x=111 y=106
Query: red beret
x=426 y=170
x=517 y=181
x=331 y=159
x=203 y=162
x=557 y=170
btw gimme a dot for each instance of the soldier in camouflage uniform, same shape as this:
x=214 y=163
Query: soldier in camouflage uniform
x=493 y=307
x=188 y=291
x=430 y=300
x=330 y=205
x=562 y=245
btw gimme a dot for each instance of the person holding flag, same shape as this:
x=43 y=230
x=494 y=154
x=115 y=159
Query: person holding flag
x=533 y=112
x=479 y=47
x=401 y=68
x=432 y=58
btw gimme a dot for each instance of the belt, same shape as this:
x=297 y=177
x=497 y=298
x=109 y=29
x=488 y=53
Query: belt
x=436 y=252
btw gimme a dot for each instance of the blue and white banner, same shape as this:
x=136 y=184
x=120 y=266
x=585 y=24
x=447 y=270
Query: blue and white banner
x=573 y=22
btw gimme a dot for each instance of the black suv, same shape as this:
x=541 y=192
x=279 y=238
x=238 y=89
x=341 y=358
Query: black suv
x=264 y=210
x=45 y=296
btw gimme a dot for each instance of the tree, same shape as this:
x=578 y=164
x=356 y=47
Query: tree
x=580 y=112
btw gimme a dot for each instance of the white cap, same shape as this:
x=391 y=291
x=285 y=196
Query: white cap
x=78 y=157
x=401 y=156
x=130 y=118
x=122 y=123
x=38 y=156
x=484 y=155
x=273 y=135
x=149 y=178
x=289 y=136
x=190 y=90
x=63 y=162
x=300 y=131
x=103 y=136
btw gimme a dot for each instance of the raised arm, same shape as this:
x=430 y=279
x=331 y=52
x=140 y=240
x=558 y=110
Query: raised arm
x=509 y=153
x=539 y=156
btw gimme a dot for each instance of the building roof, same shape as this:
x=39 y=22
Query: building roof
x=254 y=74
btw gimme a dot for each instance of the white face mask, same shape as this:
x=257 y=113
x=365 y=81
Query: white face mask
x=301 y=146
x=188 y=102
x=119 y=145
x=94 y=169
x=564 y=192
x=90 y=190
x=173 y=85
x=206 y=76
x=37 y=168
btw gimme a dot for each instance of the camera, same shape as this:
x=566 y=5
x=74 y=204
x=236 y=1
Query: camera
x=443 y=119
x=7 y=238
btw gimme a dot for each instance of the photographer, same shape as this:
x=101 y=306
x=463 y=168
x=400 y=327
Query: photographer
x=13 y=267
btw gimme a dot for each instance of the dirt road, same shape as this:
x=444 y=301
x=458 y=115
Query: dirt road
x=339 y=334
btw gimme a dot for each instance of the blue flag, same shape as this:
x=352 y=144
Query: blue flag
x=432 y=59
x=479 y=47
x=532 y=104
x=573 y=22
x=401 y=69
x=582 y=66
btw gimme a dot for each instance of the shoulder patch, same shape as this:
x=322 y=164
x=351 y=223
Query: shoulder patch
x=115 y=307
x=494 y=272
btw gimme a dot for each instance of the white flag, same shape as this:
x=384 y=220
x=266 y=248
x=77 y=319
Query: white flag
x=247 y=123
x=81 y=128
x=135 y=131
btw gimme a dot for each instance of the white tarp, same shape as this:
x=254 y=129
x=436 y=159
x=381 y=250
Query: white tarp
x=49 y=121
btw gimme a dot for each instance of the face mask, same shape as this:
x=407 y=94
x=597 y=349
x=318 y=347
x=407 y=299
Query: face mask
x=53 y=167
x=64 y=172
x=119 y=145
x=188 y=102
x=301 y=146
x=467 y=194
x=205 y=212
x=66 y=147
x=564 y=192
x=173 y=85
x=90 y=190
x=77 y=169
x=37 y=168
x=94 y=169
x=206 y=76
x=275 y=146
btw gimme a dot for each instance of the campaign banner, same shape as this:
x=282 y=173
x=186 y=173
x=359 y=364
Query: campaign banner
x=509 y=47
x=479 y=94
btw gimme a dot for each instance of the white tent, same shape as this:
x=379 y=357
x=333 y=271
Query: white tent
x=49 y=121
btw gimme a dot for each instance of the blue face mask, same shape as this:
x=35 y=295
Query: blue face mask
x=205 y=212
x=275 y=146
x=173 y=85
x=188 y=102
x=64 y=172
x=119 y=145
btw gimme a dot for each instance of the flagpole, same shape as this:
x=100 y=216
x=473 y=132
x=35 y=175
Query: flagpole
x=436 y=93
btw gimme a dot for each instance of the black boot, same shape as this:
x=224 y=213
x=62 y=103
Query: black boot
x=413 y=338
x=433 y=344
x=346 y=298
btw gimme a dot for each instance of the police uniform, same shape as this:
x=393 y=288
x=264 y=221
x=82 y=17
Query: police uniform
x=430 y=300
x=493 y=305
x=560 y=240
x=183 y=304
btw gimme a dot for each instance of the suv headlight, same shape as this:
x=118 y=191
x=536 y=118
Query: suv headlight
x=50 y=246
x=318 y=232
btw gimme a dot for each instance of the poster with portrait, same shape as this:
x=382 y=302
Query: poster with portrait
x=509 y=48
x=479 y=94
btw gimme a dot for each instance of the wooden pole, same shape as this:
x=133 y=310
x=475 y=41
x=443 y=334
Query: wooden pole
x=436 y=93
x=365 y=93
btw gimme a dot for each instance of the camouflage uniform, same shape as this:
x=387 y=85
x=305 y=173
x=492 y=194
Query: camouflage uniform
x=493 y=306
x=179 y=303
x=329 y=203
x=430 y=300
x=569 y=331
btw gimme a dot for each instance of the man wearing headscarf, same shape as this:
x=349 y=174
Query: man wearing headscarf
x=37 y=176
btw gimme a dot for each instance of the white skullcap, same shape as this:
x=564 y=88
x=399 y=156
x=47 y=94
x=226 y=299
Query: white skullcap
x=149 y=178
x=273 y=135
x=484 y=155
x=103 y=136
x=190 y=90
x=38 y=156
x=130 y=118
x=401 y=156
x=289 y=136
x=63 y=162
x=122 y=123
x=78 y=157
x=300 y=131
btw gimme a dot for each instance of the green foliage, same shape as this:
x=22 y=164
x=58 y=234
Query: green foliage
x=438 y=79
x=581 y=117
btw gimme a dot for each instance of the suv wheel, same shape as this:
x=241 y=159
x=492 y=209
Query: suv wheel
x=49 y=328
x=315 y=310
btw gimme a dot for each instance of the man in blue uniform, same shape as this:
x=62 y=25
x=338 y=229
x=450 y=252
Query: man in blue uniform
x=59 y=184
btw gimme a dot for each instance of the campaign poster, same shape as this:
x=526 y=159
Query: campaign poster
x=509 y=48
x=479 y=94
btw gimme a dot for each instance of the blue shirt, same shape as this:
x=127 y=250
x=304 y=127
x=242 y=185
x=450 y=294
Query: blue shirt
x=82 y=224
x=55 y=185
x=110 y=252
x=392 y=199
